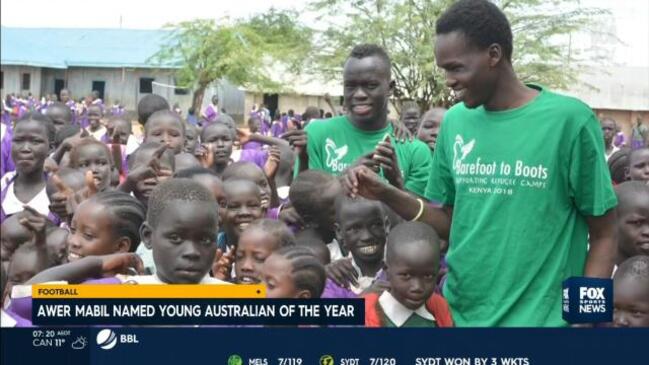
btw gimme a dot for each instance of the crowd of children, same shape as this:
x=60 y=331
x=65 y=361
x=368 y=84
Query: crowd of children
x=201 y=201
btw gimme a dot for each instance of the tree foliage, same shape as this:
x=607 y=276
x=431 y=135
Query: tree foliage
x=241 y=51
x=406 y=29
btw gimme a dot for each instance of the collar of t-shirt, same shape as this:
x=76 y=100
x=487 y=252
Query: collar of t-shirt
x=398 y=313
x=11 y=204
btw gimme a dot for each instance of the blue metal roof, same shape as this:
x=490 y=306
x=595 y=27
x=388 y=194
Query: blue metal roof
x=70 y=47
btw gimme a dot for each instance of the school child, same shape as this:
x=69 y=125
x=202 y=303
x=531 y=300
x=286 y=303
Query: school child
x=639 y=164
x=148 y=105
x=431 y=121
x=411 y=116
x=362 y=228
x=60 y=114
x=260 y=239
x=148 y=166
x=6 y=164
x=191 y=139
x=411 y=267
x=242 y=206
x=31 y=143
x=293 y=272
x=618 y=166
x=254 y=123
x=244 y=170
x=118 y=129
x=217 y=151
x=210 y=113
x=94 y=156
x=313 y=194
x=64 y=97
x=609 y=127
x=106 y=223
x=166 y=127
x=117 y=109
x=631 y=293
x=95 y=127
x=191 y=116
x=632 y=220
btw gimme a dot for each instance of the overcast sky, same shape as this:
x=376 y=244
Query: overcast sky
x=630 y=20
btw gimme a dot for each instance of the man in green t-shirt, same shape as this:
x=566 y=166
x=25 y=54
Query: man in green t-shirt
x=364 y=136
x=521 y=174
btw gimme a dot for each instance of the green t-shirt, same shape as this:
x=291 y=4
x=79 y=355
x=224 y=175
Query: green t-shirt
x=521 y=183
x=335 y=144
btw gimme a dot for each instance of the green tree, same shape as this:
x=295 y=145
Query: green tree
x=406 y=29
x=206 y=51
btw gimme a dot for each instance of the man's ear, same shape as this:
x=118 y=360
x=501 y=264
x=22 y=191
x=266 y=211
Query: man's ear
x=495 y=52
x=145 y=234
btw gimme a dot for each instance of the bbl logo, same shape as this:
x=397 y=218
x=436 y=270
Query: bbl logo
x=587 y=300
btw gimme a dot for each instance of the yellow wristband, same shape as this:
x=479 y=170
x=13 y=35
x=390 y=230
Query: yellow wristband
x=421 y=210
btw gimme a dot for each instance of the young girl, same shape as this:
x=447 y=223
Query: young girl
x=31 y=143
x=108 y=222
x=242 y=205
x=95 y=127
x=210 y=113
x=293 y=272
x=94 y=156
x=257 y=242
x=249 y=171
x=631 y=293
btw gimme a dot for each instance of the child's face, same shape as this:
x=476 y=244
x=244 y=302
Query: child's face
x=630 y=302
x=58 y=116
x=639 y=165
x=122 y=129
x=429 y=128
x=13 y=235
x=214 y=184
x=412 y=274
x=633 y=226
x=166 y=129
x=254 y=247
x=190 y=139
x=221 y=137
x=411 y=119
x=183 y=242
x=243 y=205
x=94 y=157
x=94 y=116
x=143 y=188
x=91 y=232
x=29 y=146
x=363 y=230
x=254 y=124
x=608 y=129
x=276 y=274
x=65 y=96
x=253 y=173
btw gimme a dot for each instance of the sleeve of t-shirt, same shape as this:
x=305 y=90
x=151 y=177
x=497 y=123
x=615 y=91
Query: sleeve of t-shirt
x=590 y=181
x=441 y=187
x=419 y=171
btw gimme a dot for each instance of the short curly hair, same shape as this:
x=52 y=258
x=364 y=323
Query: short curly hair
x=169 y=191
x=481 y=22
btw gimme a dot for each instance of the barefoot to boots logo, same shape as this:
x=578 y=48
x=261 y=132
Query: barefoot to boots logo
x=334 y=155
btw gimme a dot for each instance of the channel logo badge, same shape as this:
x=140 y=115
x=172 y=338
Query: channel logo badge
x=587 y=300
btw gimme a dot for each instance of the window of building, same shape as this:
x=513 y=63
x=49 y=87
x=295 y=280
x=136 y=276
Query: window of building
x=146 y=85
x=27 y=82
x=180 y=90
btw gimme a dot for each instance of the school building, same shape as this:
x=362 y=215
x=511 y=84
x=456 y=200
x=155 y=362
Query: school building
x=619 y=92
x=117 y=63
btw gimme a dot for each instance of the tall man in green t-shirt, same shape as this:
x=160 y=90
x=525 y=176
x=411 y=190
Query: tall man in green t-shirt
x=520 y=172
x=364 y=136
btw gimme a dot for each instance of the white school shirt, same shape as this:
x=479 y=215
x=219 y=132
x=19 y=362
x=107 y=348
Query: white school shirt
x=398 y=313
x=12 y=205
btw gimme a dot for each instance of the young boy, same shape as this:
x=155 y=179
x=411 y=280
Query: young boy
x=431 y=121
x=631 y=293
x=411 y=265
x=609 y=127
x=60 y=114
x=362 y=228
x=632 y=220
x=411 y=116
x=242 y=207
x=95 y=127
x=149 y=165
x=639 y=165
